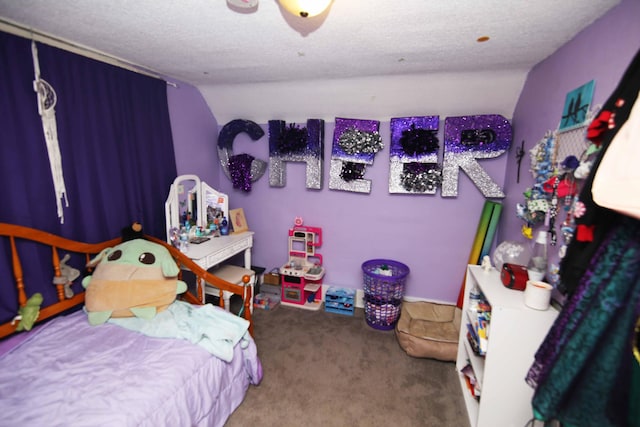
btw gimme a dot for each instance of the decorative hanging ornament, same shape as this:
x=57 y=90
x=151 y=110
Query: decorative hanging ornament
x=553 y=212
x=47 y=99
x=579 y=209
x=570 y=163
x=538 y=197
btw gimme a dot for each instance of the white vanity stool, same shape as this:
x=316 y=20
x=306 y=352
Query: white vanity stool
x=232 y=274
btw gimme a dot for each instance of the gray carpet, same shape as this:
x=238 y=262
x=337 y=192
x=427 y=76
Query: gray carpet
x=325 y=369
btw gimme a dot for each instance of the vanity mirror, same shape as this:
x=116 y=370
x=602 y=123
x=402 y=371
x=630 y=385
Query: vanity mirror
x=193 y=200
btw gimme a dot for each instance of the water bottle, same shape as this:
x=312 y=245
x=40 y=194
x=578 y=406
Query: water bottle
x=184 y=240
x=224 y=226
x=537 y=267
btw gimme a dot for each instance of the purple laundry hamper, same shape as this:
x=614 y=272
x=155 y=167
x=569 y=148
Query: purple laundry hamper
x=383 y=293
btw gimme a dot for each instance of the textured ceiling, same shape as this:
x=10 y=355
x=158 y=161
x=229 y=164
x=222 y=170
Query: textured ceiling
x=207 y=42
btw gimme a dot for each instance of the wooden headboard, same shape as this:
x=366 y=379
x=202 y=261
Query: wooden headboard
x=15 y=233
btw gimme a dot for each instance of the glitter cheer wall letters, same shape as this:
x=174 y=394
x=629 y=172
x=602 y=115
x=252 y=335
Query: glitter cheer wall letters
x=468 y=138
x=296 y=144
x=413 y=153
x=241 y=169
x=355 y=144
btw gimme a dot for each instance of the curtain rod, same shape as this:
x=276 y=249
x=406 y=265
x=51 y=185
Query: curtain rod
x=29 y=33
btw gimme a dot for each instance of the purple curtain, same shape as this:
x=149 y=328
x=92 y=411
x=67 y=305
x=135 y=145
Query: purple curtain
x=115 y=142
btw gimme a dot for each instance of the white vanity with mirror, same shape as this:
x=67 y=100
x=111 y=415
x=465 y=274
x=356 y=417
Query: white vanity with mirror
x=191 y=195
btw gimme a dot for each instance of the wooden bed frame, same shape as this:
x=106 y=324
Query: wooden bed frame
x=16 y=232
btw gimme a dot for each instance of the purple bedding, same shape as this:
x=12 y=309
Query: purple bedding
x=68 y=373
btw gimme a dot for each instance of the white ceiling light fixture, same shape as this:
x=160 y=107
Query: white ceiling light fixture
x=305 y=8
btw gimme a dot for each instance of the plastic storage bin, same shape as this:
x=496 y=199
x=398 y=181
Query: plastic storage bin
x=384 y=283
x=339 y=300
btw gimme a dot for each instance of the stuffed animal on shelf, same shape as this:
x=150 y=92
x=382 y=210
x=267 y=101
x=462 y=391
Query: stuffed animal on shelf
x=134 y=278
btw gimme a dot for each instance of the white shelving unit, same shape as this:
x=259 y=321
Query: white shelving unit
x=515 y=333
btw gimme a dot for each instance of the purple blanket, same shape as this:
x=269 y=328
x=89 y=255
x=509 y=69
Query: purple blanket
x=72 y=374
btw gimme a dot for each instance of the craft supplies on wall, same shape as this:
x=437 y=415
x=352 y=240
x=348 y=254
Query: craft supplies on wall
x=559 y=163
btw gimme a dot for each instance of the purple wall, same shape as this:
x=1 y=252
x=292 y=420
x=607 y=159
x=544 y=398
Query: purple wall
x=602 y=53
x=431 y=234
x=195 y=132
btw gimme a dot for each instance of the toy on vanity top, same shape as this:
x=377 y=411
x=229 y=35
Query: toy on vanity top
x=301 y=276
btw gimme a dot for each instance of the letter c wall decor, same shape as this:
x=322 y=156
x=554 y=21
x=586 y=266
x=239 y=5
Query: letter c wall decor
x=241 y=169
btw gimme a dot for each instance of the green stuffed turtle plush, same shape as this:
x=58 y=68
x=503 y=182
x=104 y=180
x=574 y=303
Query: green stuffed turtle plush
x=135 y=278
x=28 y=314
